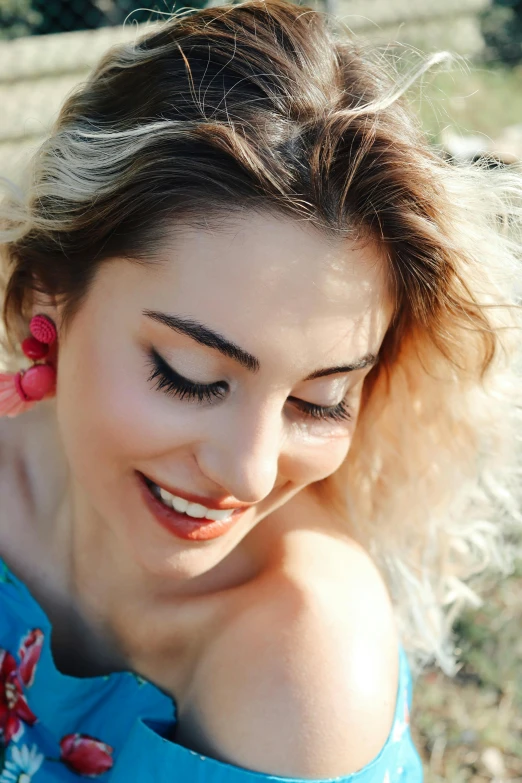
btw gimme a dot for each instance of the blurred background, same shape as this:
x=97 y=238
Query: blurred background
x=468 y=728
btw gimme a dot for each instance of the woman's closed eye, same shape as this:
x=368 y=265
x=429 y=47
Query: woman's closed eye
x=166 y=379
x=339 y=412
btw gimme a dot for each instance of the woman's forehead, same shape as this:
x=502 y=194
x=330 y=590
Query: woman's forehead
x=277 y=262
x=272 y=286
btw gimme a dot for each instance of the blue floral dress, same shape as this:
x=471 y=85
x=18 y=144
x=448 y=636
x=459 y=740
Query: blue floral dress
x=54 y=727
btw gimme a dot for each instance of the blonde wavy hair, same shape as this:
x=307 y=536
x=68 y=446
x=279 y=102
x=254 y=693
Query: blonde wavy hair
x=272 y=106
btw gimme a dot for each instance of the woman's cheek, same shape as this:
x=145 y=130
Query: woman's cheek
x=333 y=454
x=312 y=459
x=108 y=410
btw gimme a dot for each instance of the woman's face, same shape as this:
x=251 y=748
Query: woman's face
x=228 y=374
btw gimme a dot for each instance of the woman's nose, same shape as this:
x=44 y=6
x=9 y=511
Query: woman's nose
x=242 y=457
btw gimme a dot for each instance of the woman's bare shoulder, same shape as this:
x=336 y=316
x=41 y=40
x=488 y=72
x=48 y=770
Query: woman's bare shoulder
x=13 y=446
x=19 y=433
x=303 y=681
x=32 y=439
x=31 y=471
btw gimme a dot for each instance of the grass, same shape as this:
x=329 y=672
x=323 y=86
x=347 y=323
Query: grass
x=470 y=100
x=469 y=729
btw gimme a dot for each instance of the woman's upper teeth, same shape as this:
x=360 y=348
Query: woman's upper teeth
x=192 y=509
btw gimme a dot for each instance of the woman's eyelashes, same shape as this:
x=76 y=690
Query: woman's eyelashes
x=339 y=412
x=166 y=379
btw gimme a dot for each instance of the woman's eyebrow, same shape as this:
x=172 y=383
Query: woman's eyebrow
x=359 y=364
x=205 y=336
x=211 y=339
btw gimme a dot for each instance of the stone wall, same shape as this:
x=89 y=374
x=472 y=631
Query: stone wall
x=426 y=24
x=37 y=73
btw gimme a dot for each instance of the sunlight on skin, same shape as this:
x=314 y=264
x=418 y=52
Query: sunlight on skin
x=278 y=289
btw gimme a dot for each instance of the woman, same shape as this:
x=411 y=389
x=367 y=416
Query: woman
x=263 y=315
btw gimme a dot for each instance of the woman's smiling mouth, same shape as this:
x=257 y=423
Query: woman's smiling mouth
x=186 y=518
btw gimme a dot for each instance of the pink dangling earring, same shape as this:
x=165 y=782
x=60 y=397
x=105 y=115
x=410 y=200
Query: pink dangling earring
x=22 y=390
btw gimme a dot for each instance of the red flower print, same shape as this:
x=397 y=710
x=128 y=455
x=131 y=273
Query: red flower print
x=86 y=755
x=29 y=652
x=13 y=705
